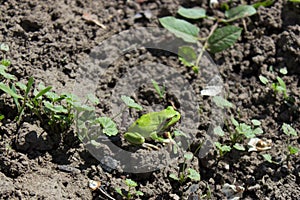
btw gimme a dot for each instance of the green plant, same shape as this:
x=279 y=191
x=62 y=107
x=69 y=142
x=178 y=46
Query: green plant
x=160 y=90
x=268 y=158
x=131 y=191
x=290 y=131
x=217 y=40
x=223 y=149
x=186 y=172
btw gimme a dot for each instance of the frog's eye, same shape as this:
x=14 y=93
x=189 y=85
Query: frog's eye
x=94 y=185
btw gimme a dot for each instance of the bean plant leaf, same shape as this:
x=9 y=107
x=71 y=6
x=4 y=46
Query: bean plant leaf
x=130 y=183
x=239 y=147
x=192 y=13
x=131 y=103
x=255 y=122
x=55 y=108
x=239 y=12
x=193 y=174
x=108 y=125
x=223 y=38
x=9 y=91
x=288 y=130
x=188 y=155
x=221 y=102
x=187 y=55
x=181 y=28
x=263 y=79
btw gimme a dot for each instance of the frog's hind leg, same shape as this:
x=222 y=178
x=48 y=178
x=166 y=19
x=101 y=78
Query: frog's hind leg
x=150 y=146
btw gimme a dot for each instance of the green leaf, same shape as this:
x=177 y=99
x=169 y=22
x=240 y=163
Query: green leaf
x=21 y=86
x=131 y=103
x=239 y=147
x=293 y=150
x=263 y=79
x=234 y=122
x=7 y=75
x=288 y=130
x=130 y=183
x=188 y=155
x=55 y=108
x=255 y=122
x=263 y=3
x=42 y=92
x=296 y=1
x=218 y=131
x=192 y=13
x=174 y=176
x=281 y=82
x=223 y=38
x=157 y=88
x=139 y=193
x=223 y=148
x=4 y=47
x=267 y=157
x=239 y=12
x=181 y=28
x=5 y=62
x=187 y=55
x=29 y=85
x=119 y=191
x=108 y=125
x=193 y=174
x=258 y=131
x=9 y=91
x=221 y=102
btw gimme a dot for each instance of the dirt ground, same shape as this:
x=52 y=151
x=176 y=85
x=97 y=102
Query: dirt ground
x=49 y=40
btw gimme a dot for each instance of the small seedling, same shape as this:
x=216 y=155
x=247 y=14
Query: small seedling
x=223 y=149
x=217 y=40
x=290 y=131
x=131 y=191
x=185 y=173
x=160 y=90
x=268 y=158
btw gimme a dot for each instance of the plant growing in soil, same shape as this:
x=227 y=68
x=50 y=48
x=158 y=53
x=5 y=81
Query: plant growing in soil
x=290 y=131
x=217 y=40
x=186 y=172
x=131 y=191
x=160 y=90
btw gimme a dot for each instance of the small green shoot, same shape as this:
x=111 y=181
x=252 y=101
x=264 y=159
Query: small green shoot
x=263 y=79
x=160 y=90
x=131 y=192
x=131 y=103
x=290 y=131
x=223 y=149
x=265 y=3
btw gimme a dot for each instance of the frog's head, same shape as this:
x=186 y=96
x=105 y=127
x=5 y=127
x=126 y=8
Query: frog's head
x=174 y=116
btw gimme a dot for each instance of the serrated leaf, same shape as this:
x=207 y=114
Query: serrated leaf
x=255 y=122
x=218 y=131
x=181 y=28
x=221 y=102
x=108 y=125
x=192 y=13
x=223 y=38
x=131 y=183
x=9 y=91
x=187 y=55
x=263 y=79
x=193 y=174
x=239 y=12
x=131 y=103
x=239 y=147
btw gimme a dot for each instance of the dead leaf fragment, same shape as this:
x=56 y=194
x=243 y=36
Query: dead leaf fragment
x=257 y=144
x=92 y=18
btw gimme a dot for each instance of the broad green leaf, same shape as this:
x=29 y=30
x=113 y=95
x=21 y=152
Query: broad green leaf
x=239 y=12
x=4 y=47
x=223 y=148
x=263 y=79
x=293 y=150
x=108 y=125
x=267 y=157
x=9 y=91
x=221 y=102
x=181 y=28
x=192 y=13
x=263 y=3
x=223 y=38
x=174 y=176
x=218 y=131
x=193 y=174
x=255 y=122
x=130 y=183
x=258 y=131
x=42 y=92
x=55 y=108
x=131 y=103
x=187 y=55
x=188 y=155
x=239 y=147
x=288 y=130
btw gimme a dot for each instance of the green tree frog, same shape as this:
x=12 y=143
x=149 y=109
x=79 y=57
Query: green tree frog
x=149 y=125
